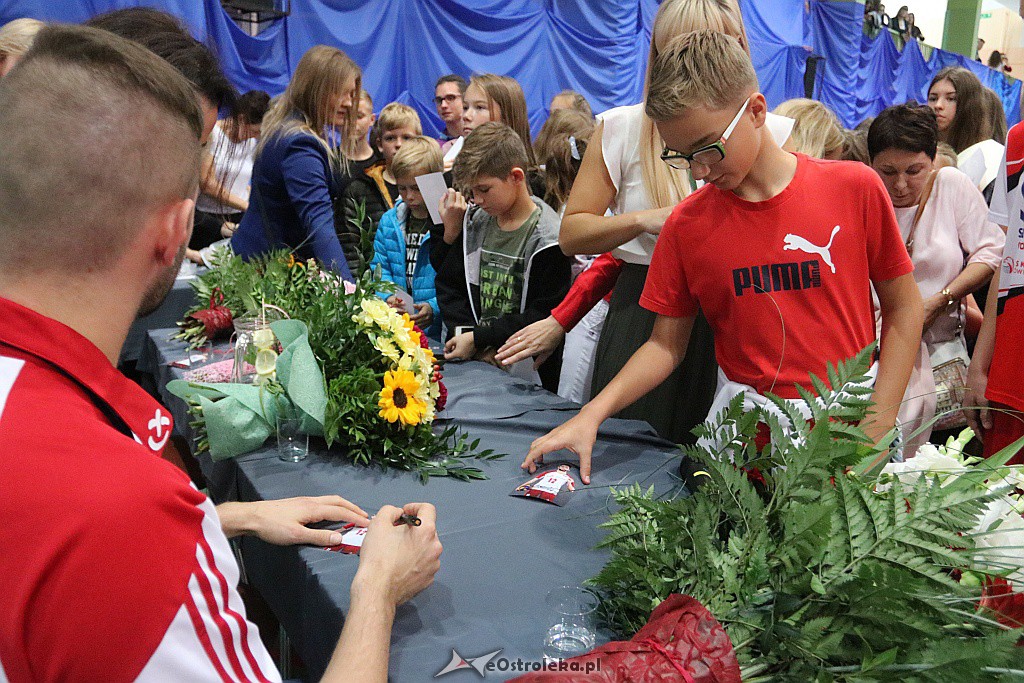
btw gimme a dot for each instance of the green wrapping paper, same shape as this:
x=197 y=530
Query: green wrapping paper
x=238 y=418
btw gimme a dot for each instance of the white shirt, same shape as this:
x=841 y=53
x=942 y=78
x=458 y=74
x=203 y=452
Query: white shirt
x=232 y=167
x=620 y=145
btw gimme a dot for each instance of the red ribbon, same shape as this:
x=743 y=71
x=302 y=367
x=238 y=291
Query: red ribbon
x=672 y=659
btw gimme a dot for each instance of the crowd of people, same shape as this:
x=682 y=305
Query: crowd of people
x=655 y=262
x=902 y=24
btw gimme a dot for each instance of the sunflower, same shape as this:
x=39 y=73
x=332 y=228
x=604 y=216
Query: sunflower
x=398 y=401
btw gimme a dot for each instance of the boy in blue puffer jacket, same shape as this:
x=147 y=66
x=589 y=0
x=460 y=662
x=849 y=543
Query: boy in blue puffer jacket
x=401 y=245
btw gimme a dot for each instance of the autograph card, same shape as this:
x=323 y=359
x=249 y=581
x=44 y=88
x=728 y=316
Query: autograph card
x=351 y=540
x=552 y=486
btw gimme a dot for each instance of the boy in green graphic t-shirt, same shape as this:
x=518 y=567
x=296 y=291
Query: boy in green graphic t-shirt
x=514 y=271
x=502 y=265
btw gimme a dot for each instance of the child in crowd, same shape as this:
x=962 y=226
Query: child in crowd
x=448 y=94
x=506 y=250
x=570 y=99
x=783 y=278
x=996 y=373
x=359 y=153
x=368 y=195
x=816 y=131
x=401 y=244
x=499 y=99
x=559 y=148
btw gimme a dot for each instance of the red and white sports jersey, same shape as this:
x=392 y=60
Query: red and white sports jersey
x=1006 y=374
x=113 y=566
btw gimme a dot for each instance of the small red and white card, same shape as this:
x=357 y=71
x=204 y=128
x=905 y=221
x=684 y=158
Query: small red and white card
x=351 y=540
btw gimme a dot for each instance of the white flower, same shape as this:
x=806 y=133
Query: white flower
x=999 y=537
x=929 y=461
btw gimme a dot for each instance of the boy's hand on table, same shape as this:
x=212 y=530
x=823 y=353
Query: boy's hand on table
x=577 y=435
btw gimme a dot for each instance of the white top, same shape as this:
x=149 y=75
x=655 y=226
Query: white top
x=620 y=145
x=232 y=167
x=980 y=162
x=954 y=229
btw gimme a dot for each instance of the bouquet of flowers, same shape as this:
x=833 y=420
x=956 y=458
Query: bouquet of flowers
x=823 y=569
x=354 y=370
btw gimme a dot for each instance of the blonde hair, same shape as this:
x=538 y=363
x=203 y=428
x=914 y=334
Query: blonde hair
x=855 y=146
x=397 y=115
x=949 y=157
x=554 y=150
x=351 y=141
x=16 y=36
x=699 y=69
x=506 y=92
x=492 y=149
x=579 y=102
x=305 y=106
x=666 y=186
x=817 y=131
x=418 y=156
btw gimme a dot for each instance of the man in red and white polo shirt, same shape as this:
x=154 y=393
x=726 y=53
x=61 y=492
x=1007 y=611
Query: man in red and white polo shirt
x=996 y=374
x=113 y=566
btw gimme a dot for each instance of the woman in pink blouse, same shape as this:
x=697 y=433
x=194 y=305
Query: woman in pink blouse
x=954 y=247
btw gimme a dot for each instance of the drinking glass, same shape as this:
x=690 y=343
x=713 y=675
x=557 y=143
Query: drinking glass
x=572 y=630
x=292 y=444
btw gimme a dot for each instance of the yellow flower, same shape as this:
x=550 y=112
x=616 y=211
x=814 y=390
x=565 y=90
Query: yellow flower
x=398 y=400
x=388 y=349
x=376 y=312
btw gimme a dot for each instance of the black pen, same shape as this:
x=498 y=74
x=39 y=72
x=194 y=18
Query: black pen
x=411 y=520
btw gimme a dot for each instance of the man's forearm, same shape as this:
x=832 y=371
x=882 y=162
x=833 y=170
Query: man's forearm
x=235 y=518
x=361 y=655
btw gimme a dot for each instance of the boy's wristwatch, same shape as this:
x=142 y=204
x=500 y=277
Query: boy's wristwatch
x=461 y=329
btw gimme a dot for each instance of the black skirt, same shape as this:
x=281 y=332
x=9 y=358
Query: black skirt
x=683 y=400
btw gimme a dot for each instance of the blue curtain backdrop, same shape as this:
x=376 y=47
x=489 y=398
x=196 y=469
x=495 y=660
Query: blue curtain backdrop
x=862 y=75
x=598 y=48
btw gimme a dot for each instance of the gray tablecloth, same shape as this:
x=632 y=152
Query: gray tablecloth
x=501 y=554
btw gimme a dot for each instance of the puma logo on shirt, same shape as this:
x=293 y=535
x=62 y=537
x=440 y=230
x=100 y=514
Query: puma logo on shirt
x=796 y=242
x=784 y=277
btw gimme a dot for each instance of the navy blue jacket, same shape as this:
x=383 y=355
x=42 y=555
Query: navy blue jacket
x=290 y=205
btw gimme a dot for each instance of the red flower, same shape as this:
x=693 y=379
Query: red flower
x=424 y=342
x=998 y=596
x=754 y=475
x=442 y=399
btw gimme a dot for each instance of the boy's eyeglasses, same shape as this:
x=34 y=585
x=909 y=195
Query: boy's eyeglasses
x=707 y=155
x=450 y=99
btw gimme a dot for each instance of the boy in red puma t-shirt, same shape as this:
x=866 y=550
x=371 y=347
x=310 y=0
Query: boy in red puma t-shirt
x=779 y=251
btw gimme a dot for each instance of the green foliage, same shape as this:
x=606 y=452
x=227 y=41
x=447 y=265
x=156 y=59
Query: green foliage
x=816 y=575
x=352 y=367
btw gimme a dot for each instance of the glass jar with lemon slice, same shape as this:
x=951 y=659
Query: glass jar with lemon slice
x=255 y=346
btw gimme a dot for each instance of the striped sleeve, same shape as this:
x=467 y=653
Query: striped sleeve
x=210 y=638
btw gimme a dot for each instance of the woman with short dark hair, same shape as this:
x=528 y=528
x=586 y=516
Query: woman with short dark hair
x=944 y=220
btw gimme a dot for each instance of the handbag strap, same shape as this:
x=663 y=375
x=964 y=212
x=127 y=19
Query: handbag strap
x=926 y=193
